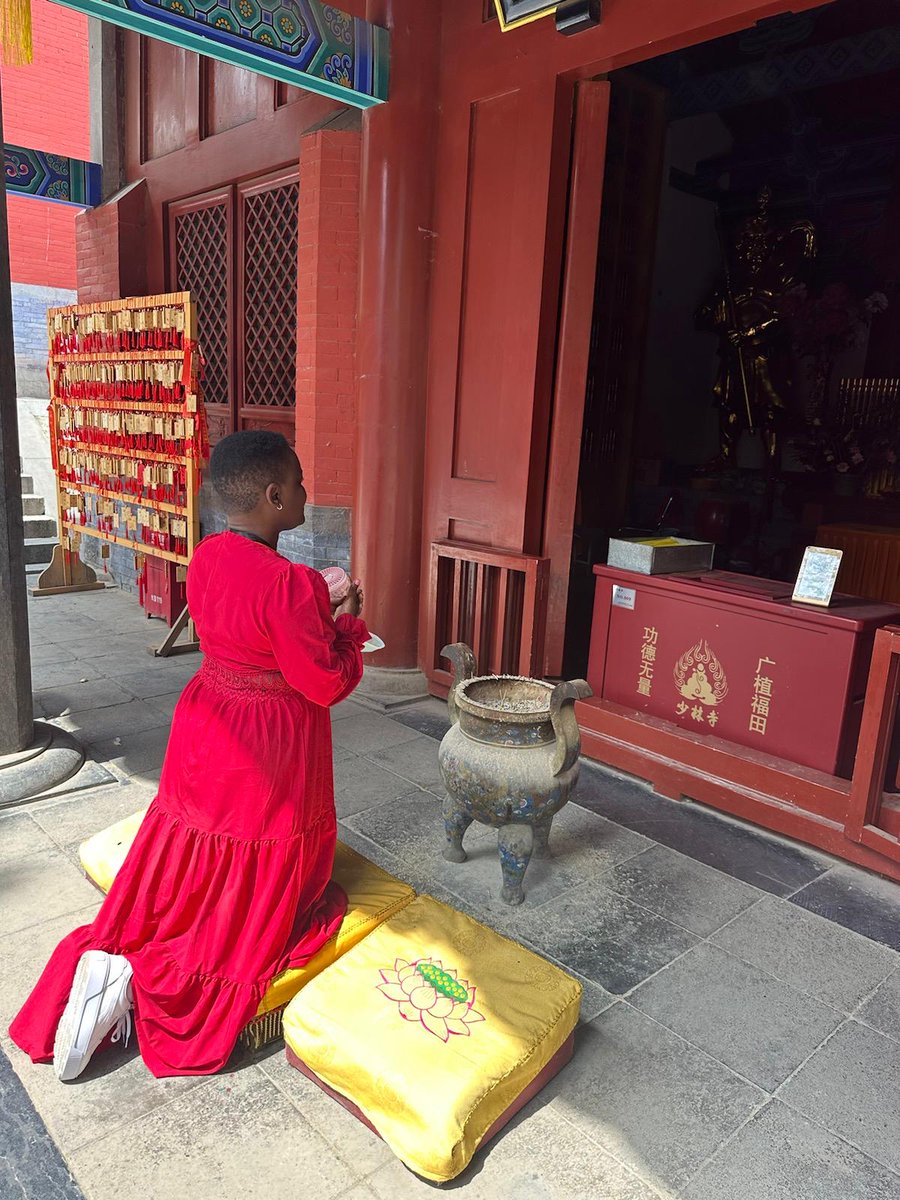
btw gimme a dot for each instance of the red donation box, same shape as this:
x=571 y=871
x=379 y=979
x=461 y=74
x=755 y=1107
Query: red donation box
x=160 y=592
x=731 y=656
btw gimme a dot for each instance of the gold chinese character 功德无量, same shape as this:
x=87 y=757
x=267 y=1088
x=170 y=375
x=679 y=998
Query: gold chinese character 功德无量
x=644 y=687
x=648 y=652
x=651 y=635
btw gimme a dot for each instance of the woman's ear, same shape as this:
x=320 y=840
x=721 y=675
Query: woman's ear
x=273 y=495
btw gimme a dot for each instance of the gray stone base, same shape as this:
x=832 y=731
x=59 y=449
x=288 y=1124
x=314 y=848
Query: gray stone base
x=53 y=757
x=388 y=688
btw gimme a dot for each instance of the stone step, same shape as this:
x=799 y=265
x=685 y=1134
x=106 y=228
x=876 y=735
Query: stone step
x=27 y=485
x=39 y=550
x=33 y=506
x=40 y=527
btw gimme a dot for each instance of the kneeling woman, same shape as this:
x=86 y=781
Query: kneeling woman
x=228 y=880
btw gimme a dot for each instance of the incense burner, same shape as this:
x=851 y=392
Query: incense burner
x=510 y=760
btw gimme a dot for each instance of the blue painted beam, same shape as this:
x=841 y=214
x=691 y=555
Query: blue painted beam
x=305 y=43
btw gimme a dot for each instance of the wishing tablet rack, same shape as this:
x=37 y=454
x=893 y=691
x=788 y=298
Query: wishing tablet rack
x=128 y=434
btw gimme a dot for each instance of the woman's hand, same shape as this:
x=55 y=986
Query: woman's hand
x=353 y=603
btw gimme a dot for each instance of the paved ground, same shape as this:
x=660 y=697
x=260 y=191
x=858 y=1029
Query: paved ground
x=741 y=1022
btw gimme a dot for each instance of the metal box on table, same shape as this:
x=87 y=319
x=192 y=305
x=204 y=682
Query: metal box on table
x=731 y=656
x=660 y=556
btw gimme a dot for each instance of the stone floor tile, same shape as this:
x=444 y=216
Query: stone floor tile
x=31 y=1166
x=40 y=886
x=114 y=1090
x=347 y=1136
x=77 y=697
x=346 y=708
x=430 y=717
x=415 y=760
x=650 y=1099
x=603 y=937
x=781 y=1156
x=539 y=1156
x=30 y=949
x=101 y=724
x=21 y=835
x=361 y=1191
x=138 y=755
x=750 y=1021
x=580 y=844
x=72 y=820
x=813 y=955
x=177 y=674
x=359 y=784
x=165 y=703
x=852 y=1087
x=882 y=1011
x=54 y=675
x=233 y=1136
x=681 y=889
x=738 y=850
x=44 y=653
x=370 y=732
x=859 y=901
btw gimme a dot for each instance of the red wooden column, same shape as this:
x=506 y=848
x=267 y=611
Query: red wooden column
x=395 y=248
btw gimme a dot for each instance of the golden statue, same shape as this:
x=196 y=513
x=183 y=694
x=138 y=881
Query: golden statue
x=747 y=311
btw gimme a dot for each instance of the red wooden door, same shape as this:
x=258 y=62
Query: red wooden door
x=235 y=250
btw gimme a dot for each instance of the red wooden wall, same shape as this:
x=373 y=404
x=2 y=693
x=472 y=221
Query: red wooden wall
x=46 y=107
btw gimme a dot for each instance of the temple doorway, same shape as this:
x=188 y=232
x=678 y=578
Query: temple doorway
x=744 y=374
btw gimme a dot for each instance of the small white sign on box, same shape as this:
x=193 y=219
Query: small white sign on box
x=623 y=597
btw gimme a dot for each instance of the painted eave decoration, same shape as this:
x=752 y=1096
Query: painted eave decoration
x=46 y=176
x=305 y=43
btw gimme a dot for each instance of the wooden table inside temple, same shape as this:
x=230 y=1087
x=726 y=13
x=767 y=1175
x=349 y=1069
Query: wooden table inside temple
x=730 y=656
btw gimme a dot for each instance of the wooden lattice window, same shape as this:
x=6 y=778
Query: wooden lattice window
x=235 y=251
x=268 y=297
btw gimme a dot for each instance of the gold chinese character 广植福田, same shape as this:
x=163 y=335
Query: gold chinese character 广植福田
x=762 y=685
x=758 y=723
x=760 y=704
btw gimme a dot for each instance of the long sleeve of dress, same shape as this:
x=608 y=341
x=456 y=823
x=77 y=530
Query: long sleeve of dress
x=320 y=657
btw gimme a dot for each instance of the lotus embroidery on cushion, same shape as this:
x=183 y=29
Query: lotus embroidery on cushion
x=426 y=992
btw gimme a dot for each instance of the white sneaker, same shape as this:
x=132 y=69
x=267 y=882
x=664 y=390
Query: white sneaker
x=100 y=1000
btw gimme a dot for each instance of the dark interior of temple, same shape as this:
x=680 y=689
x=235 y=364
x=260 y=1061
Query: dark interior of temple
x=745 y=357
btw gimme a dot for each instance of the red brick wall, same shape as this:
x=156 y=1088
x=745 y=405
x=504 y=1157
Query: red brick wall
x=326 y=313
x=109 y=262
x=46 y=106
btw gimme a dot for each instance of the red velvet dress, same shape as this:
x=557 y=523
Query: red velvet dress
x=227 y=882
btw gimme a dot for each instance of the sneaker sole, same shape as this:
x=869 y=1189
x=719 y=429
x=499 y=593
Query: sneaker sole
x=71 y=1052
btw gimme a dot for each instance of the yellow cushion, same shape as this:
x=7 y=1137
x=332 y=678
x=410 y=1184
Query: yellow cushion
x=432 y=1027
x=372 y=896
x=103 y=854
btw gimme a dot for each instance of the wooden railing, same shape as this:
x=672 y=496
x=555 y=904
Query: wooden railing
x=494 y=601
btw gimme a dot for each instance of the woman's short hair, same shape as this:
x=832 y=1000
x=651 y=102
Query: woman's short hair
x=242 y=465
